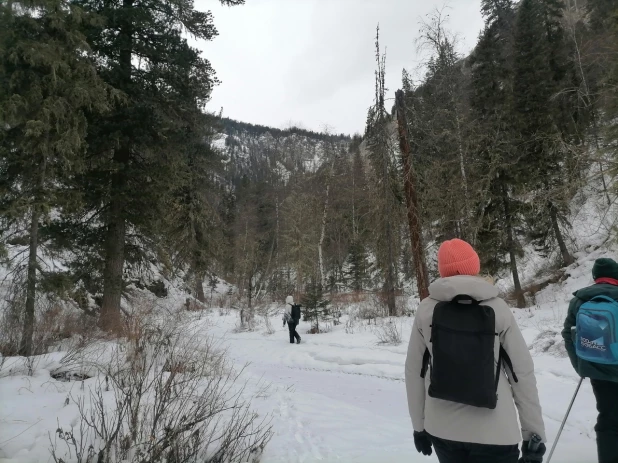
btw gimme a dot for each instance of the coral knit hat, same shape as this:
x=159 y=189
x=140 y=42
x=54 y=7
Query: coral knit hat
x=456 y=257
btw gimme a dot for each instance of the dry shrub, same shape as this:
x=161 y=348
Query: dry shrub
x=388 y=332
x=165 y=394
x=57 y=324
x=223 y=301
x=270 y=330
x=246 y=321
x=348 y=298
x=193 y=305
x=373 y=308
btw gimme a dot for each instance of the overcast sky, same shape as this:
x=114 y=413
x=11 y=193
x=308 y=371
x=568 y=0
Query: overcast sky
x=311 y=62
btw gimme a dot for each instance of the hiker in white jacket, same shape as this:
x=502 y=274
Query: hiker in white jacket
x=460 y=432
x=291 y=316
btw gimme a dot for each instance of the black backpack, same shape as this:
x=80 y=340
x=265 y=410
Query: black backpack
x=296 y=311
x=463 y=368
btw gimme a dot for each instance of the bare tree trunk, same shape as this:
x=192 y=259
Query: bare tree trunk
x=26 y=348
x=567 y=259
x=510 y=244
x=322 y=237
x=273 y=248
x=414 y=221
x=109 y=319
x=199 y=287
x=462 y=168
x=353 y=204
x=589 y=104
x=595 y=134
x=250 y=295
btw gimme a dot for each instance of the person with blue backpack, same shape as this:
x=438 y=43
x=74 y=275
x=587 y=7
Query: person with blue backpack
x=591 y=339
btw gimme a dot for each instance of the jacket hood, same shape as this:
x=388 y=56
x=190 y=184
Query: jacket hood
x=585 y=294
x=446 y=289
x=289 y=300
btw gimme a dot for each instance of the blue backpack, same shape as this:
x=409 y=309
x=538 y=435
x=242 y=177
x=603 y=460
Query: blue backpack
x=596 y=337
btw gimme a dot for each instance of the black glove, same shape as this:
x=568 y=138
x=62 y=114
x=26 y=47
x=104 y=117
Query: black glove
x=422 y=442
x=532 y=457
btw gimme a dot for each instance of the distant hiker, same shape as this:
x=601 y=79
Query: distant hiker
x=469 y=372
x=291 y=316
x=591 y=338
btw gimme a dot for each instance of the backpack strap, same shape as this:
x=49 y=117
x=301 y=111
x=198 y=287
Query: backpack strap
x=426 y=360
x=503 y=356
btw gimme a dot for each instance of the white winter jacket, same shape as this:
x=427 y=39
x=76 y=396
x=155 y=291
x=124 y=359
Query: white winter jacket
x=465 y=423
x=287 y=312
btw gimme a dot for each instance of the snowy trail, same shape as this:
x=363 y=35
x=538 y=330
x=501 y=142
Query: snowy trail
x=331 y=401
x=336 y=397
x=340 y=397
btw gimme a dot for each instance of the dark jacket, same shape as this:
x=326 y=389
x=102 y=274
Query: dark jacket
x=582 y=367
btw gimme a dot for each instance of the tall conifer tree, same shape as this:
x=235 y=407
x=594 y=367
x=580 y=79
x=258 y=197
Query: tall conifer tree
x=48 y=82
x=142 y=51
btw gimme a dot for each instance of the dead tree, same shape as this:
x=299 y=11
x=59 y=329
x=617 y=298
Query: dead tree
x=414 y=219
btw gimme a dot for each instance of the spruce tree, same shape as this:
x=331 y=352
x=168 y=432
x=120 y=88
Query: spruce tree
x=499 y=216
x=48 y=82
x=437 y=115
x=386 y=213
x=358 y=266
x=539 y=70
x=611 y=85
x=191 y=225
x=135 y=153
x=315 y=306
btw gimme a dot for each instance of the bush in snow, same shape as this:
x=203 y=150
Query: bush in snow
x=163 y=395
x=372 y=308
x=387 y=332
x=56 y=320
x=315 y=308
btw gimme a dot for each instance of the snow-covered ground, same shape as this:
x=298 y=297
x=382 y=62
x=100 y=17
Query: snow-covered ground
x=335 y=397
x=339 y=396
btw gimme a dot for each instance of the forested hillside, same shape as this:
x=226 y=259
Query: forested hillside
x=147 y=244
x=501 y=142
x=113 y=175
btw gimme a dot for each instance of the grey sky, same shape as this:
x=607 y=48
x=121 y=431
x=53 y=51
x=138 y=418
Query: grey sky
x=311 y=62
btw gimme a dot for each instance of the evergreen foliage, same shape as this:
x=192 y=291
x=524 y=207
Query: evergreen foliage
x=48 y=83
x=315 y=306
x=109 y=159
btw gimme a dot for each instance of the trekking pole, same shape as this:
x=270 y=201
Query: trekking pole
x=553 y=447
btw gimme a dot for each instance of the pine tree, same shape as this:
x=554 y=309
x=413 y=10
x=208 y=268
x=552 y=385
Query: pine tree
x=48 y=83
x=315 y=306
x=539 y=70
x=499 y=216
x=213 y=282
x=135 y=152
x=191 y=223
x=386 y=212
x=604 y=35
x=358 y=266
x=437 y=116
x=496 y=11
